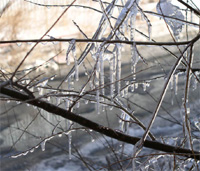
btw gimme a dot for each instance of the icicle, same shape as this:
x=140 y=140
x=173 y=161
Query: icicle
x=112 y=76
x=144 y=86
x=149 y=30
x=102 y=72
x=132 y=23
x=91 y=85
x=25 y=153
x=118 y=69
x=132 y=87
x=18 y=102
x=122 y=93
x=15 y=156
x=98 y=102
x=43 y=43
x=97 y=82
x=176 y=84
x=122 y=121
x=75 y=62
x=172 y=83
x=172 y=98
x=136 y=85
x=70 y=145
x=191 y=16
x=67 y=102
x=32 y=150
x=52 y=78
x=77 y=104
x=126 y=92
x=134 y=59
x=19 y=44
x=43 y=145
x=29 y=43
x=71 y=46
x=58 y=100
x=111 y=107
x=48 y=98
x=86 y=101
x=111 y=79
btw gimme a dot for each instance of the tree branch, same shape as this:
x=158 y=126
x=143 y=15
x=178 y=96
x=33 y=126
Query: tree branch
x=96 y=127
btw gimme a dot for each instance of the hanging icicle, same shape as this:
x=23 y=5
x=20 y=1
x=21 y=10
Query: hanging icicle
x=97 y=82
x=176 y=83
x=43 y=143
x=149 y=29
x=69 y=124
x=70 y=47
x=101 y=67
x=112 y=76
x=118 y=67
x=70 y=145
x=134 y=59
x=75 y=62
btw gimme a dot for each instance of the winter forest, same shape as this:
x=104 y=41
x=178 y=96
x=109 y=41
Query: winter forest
x=99 y=85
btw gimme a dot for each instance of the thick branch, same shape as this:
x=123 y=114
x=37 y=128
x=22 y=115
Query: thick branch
x=96 y=127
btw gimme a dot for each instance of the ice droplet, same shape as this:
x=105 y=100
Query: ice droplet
x=29 y=43
x=32 y=150
x=43 y=145
x=18 y=102
x=43 y=43
x=111 y=107
x=19 y=44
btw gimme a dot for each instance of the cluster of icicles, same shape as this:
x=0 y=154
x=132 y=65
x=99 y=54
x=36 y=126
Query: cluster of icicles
x=42 y=144
x=100 y=54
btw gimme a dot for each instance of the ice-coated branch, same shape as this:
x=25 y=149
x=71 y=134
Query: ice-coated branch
x=96 y=127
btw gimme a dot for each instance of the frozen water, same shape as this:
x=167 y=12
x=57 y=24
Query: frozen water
x=165 y=7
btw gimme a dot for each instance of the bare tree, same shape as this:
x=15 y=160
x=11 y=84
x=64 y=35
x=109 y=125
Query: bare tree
x=122 y=85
